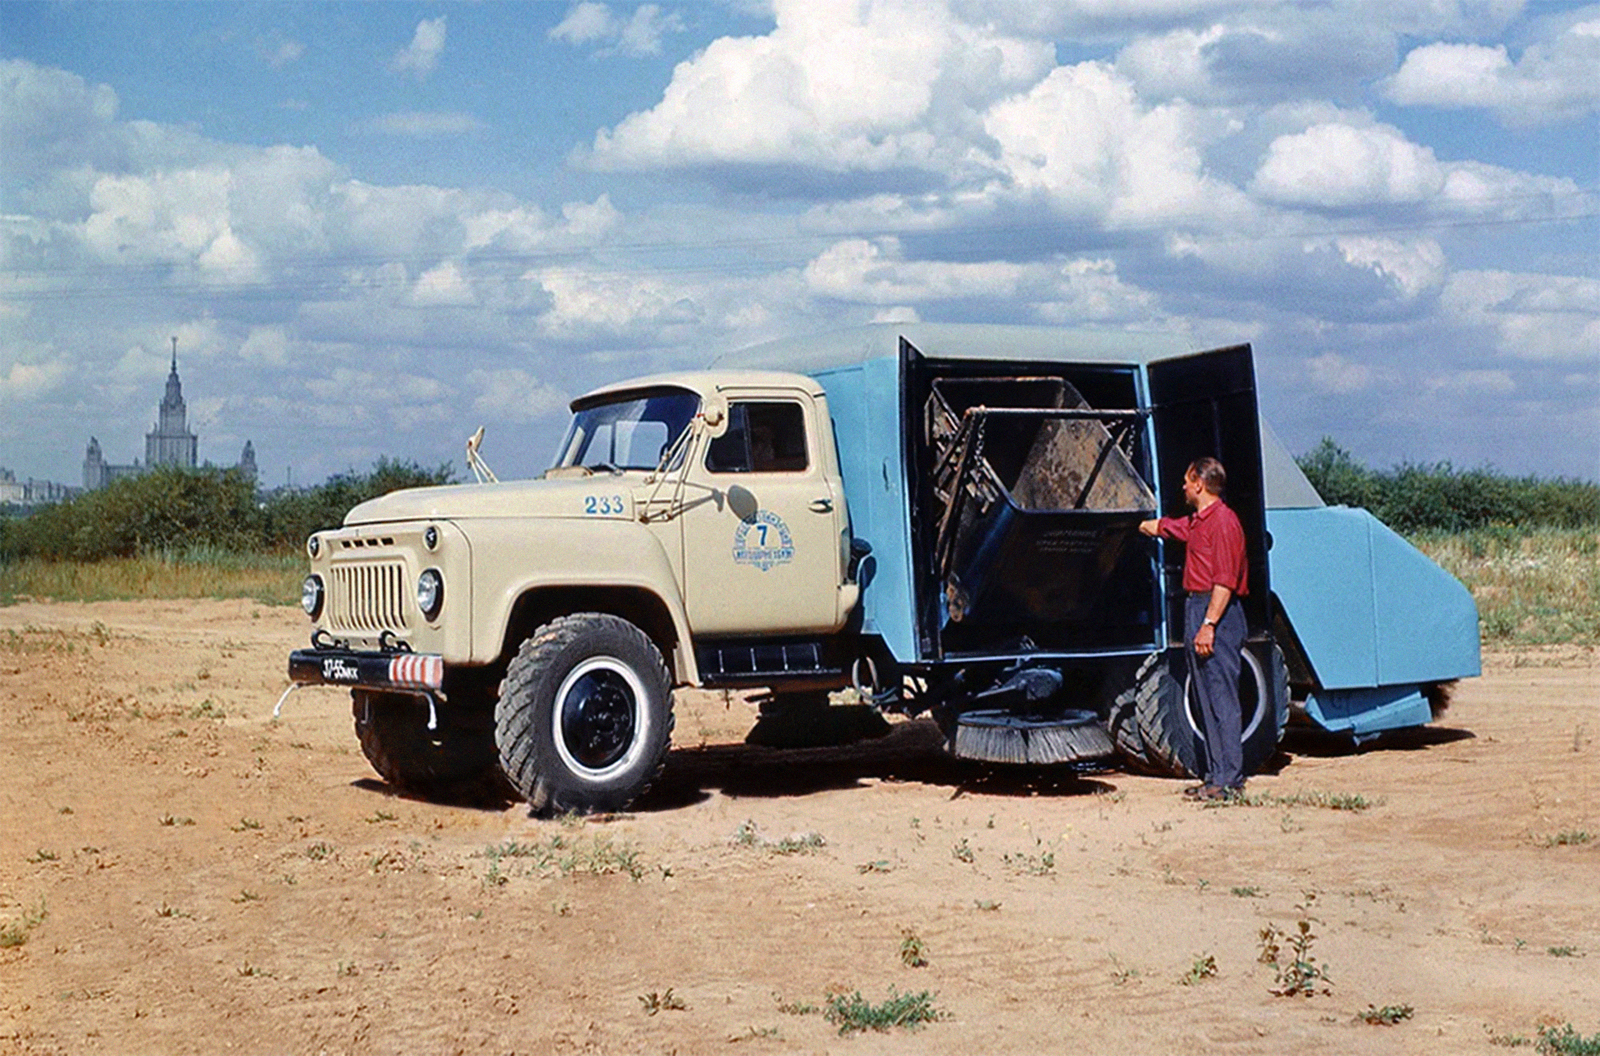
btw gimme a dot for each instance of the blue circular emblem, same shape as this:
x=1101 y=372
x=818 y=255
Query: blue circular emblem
x=763 y=541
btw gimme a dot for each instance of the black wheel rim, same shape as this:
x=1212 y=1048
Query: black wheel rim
x=598 y=715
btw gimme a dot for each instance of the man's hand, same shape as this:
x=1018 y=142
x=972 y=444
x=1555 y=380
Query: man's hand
x=1151 y=527
x=1204 y=639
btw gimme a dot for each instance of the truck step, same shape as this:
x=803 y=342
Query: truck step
x=758 y=662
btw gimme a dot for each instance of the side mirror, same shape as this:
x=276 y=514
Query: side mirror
x=715 y=412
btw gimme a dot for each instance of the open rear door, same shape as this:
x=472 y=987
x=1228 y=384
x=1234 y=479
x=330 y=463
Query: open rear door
x=1205 y=404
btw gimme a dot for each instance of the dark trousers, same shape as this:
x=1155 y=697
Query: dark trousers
x=1216 y=688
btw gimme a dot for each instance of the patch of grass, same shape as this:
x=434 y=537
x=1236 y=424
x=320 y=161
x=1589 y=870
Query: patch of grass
x=169 y=912
x=665 y=1001
x=881 y=865
x=43 y=855
x=246 y=825
x=16 y=932
x=852 y=1012
x=254 y=972
x=798 y=1008
x=1042 y=863
x=962 y=851
x=247 y=896
x=174 y=821
x=564 y=855
x=986 y=905
x=1245 y=892
x=748 y=835
x=1351 y=801
x=1387 y=1016
x=270 y=578
x=319 y=851
x=1570 y=838
x=913 y=951
x=1202 y=969
x=1567 y=1042
x=381 y=816
x=207 y=709
x=1533 y=586
x=1562 y=951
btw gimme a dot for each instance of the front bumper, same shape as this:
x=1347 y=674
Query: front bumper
x=337 y=665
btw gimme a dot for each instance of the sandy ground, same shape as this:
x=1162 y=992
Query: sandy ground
x=190 y=876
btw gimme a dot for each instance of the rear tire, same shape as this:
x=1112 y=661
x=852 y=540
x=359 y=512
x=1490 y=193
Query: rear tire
x=1156 y=721
x=585 y=715
x=455 y=761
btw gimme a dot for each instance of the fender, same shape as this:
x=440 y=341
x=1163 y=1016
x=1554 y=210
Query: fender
x=514 y=556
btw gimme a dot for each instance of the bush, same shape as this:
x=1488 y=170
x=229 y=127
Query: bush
x=1415 y=498
x=288 y=517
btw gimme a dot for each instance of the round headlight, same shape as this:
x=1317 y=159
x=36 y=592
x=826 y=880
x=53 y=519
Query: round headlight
x=311 y=596
x=313 y=546
x=430 y=537
x=430 y=593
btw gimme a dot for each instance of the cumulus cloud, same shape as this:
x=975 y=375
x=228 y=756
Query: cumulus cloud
x=1551 y=81
x=1533 y=317
x=513 y=395
x=636 y=35
x=837 y=87
x=418 y=58
x=1337 y=165
x=1333 y=373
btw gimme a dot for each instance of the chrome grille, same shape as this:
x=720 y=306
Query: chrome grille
x=368 y=597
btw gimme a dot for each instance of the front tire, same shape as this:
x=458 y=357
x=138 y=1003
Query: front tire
x=454 y=761
x=585 y=715
x=1156 y=721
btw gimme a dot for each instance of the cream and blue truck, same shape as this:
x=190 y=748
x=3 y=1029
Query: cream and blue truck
x=941 y=517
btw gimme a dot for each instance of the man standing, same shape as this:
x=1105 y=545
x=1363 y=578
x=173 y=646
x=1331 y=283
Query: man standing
x=1215 y=576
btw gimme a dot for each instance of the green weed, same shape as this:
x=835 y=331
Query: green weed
x=1570 y=838
x=748 y=835
x=174 y=821
x=962 y=851
x=565 y=855
x=1567 y=1042
x=1202 y=969
x=852 y=1012
x=1298 y=974
x=1351 y=801
x=16 y=932
x=1562 y=951
x=666 y=1001
x=1387 y=1016
x=913 y=951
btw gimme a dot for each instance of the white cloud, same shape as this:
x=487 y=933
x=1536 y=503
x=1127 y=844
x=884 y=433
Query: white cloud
x=1333 y=373
x=1472 y=384
x=639 y=34
x=419 y=58
x=442 y=286
x=876 y=272
x=1411 y=267
x=1337 y=166
x=1534 y=317
x=23 y=382
x=1550 y=81
x=837 y=87
x=514 y=395
x=266 y=344
x=425 y=124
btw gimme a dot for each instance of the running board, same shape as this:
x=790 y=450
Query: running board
x=756 y=663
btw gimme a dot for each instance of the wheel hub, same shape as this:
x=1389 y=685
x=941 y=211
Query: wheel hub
x=597 y=719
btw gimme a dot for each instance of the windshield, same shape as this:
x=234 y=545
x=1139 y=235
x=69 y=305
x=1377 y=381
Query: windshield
x=629 y=433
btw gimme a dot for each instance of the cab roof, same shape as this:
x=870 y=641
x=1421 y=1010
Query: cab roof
x=702 y=383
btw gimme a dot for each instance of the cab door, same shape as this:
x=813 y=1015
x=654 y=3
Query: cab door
x=765 y=556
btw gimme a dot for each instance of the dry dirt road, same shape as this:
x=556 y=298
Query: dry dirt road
x=181 y=874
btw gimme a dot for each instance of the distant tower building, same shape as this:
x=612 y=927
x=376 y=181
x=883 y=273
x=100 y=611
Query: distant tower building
x=171 y=443
x=247 y=462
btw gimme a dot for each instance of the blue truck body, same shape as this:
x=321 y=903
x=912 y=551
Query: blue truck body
x=1369 y=623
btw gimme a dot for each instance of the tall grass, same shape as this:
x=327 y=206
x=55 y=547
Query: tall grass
x=1533 y=587
x=199 y=572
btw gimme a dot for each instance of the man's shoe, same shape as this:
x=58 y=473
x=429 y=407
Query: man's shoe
x=1193 y=791
x=1214 y=794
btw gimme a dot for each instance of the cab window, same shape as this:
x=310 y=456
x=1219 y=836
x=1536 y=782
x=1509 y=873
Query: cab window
x=761 y=438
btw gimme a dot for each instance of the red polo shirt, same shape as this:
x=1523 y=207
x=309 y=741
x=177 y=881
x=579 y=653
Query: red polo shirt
x=1214 y=549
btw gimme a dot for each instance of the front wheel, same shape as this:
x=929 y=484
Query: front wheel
x=585 y=715
x=1157 y=725
x=454 y=760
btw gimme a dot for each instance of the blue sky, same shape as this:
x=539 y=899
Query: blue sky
x=375 y=226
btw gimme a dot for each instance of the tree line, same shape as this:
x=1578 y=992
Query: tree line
x=172 y=509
